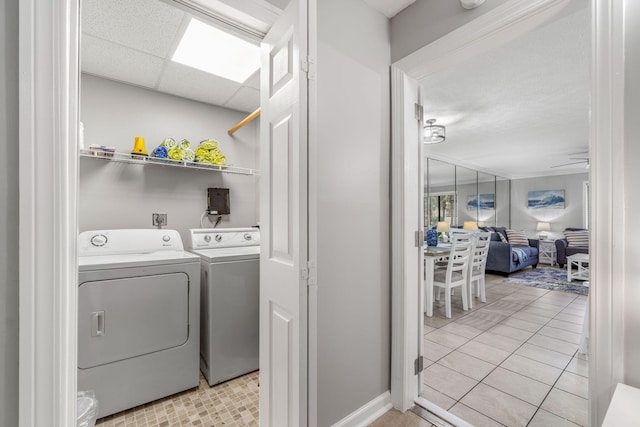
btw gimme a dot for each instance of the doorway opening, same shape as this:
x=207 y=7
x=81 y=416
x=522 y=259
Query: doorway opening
x=156 y=138
x=525 y=333
x=423 y=68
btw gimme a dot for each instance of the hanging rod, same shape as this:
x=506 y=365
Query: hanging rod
x=244 y=121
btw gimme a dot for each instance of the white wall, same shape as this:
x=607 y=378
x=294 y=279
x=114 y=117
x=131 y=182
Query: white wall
x=427 y=20
x=523 y=218
x=118 y=195
x=353 y=207
x=9 y=213
x=632 y=195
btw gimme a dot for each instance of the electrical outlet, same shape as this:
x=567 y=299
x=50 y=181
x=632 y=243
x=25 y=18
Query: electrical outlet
x=158 y=219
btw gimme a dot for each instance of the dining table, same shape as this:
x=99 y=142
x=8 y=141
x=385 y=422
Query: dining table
x=432 y=254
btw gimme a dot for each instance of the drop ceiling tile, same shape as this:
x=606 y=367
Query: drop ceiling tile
x=253 y=81
x=150 y=26
x=188 y=82
x=246 y=99
x=115 y=62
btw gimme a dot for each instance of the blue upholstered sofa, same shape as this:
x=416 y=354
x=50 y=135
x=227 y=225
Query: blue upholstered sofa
x=502 y=259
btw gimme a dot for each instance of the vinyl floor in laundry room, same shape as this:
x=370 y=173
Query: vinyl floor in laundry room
x=230 y=404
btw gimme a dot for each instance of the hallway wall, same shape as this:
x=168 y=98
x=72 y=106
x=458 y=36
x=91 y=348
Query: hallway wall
x=352 y=166
x=9 y=200
x=427 y=20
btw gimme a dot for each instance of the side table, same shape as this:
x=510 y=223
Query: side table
x=547 y=252
x=581 y=262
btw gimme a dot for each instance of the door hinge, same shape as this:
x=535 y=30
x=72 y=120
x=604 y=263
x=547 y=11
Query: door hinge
x=418 y=365
x=308 y=65
x=419 y=238
x=419 y=112
x=312 y=280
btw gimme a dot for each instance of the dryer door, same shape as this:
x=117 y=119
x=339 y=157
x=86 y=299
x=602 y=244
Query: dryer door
x=132 y=316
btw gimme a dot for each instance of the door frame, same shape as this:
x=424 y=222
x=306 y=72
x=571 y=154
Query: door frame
x=49 y=37
x=606 y=150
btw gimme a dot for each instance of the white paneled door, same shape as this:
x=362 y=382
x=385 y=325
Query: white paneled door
x=283 y=220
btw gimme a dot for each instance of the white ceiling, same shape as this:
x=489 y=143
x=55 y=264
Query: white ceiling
x=521 y=109
x=133 y=41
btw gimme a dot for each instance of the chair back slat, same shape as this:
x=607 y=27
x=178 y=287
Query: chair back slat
x=460 y=256
x=480 y=252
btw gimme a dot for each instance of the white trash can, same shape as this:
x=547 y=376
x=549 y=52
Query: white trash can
x=87 y=409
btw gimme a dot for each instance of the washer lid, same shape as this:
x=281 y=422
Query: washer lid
x=228 y=254
x=104 y=262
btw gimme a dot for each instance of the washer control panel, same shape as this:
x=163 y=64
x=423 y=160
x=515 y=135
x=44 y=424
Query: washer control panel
x=212 y=238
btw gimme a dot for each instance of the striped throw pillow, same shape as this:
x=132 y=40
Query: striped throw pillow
x=503 y=239
x=578 y=238
x=517 y=238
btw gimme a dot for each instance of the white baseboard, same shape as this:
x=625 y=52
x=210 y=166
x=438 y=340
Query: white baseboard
x=368 y=413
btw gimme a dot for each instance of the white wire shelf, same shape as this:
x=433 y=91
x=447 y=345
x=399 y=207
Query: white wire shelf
x=148 y=160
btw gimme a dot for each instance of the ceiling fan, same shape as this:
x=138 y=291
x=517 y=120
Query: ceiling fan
x=582 y=157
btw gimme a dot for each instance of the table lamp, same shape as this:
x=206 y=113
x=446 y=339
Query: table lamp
x=542 y=227
x=470 y=225
x=443 y=227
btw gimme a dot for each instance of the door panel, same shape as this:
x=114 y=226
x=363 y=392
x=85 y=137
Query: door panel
x=128 y=317
x=284 y=226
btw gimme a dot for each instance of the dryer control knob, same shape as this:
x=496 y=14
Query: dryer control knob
x=207 y=238
x=99 y=240
x=248 y=236
x=166 y=238
x=218 y=237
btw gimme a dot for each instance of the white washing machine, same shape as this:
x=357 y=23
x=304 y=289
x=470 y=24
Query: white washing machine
x=229 y=301
x=138 y=316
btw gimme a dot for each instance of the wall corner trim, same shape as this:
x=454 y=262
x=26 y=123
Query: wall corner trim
x=367 y=413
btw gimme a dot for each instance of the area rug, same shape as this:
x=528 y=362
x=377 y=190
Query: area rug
x=549 y=278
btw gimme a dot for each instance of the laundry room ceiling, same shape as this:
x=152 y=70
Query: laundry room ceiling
x=133 y=42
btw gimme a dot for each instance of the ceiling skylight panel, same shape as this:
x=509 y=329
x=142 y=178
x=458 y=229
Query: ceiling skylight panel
x=213 y=51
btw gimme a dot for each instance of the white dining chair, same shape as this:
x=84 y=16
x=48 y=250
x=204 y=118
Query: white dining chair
x=457 y=271
x=477 y=266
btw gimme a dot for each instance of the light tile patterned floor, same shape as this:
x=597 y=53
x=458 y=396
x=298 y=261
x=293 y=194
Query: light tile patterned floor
x=511 y=361
x=230 y=404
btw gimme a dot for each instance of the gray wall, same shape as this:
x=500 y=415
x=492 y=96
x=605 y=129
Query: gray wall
x=632 y=195
x=9 y=213
x=523 y=218
x=118 y=195
x=427 y=20
x=354 y=304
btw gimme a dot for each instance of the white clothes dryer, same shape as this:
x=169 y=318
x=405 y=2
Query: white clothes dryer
x=229 y=301
x=138 y=316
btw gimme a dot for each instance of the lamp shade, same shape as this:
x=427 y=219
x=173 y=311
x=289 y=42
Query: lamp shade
x=443 y=227
x=543 y=226
x=470 y=225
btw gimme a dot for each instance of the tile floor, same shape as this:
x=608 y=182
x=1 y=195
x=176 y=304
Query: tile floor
x=230 y=404
x=511 y=361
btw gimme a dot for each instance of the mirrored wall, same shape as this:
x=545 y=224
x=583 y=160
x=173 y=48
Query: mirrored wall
x=456 y=194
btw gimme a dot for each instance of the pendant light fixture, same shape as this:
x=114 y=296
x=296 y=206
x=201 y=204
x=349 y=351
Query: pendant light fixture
x=433 y=134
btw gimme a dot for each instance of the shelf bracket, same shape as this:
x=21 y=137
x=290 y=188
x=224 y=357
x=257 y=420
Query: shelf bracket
x=244 y=121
